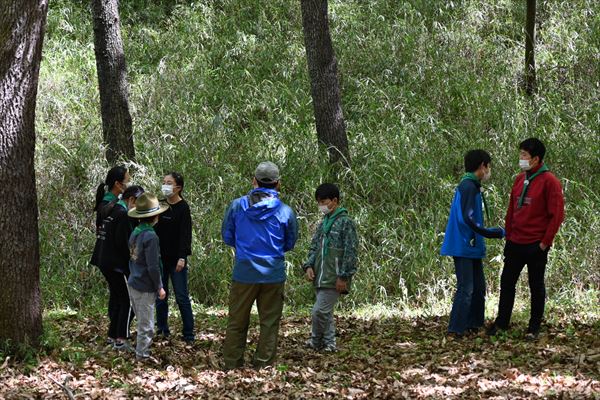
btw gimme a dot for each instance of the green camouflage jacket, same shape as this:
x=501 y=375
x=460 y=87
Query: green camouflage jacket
x=338 y=259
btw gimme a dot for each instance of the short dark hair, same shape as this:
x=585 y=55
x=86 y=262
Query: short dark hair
x=534 y=147
x=474 y=158
x=147 y=220
x=133 y=191
x=327 y=191
x=267 y=185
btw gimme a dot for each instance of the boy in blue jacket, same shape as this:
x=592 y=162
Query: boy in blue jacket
x=464 y=241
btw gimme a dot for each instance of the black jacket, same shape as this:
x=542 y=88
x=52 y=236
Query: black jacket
x=174 y=229
x=112 y=249
x=96 y=254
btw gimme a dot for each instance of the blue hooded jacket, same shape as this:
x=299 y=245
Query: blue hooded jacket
x=465 y=231
x=261 y=228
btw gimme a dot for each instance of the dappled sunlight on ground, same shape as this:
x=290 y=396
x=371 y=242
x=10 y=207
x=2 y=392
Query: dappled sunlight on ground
x=377 y=358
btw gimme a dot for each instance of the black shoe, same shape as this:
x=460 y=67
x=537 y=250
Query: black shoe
x=532 y=334
x=473 y=331
x=453 y=336
x=188 y=340
x=493 y=330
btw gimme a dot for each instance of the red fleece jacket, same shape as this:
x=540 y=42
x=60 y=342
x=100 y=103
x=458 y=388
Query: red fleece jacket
x=542 y=212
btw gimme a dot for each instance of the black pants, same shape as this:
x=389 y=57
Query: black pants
x=120 y=312
x=515 y=258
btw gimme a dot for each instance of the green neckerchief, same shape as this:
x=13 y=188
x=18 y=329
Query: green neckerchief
x=111 y=198
x=144 y=226
x=327 y=224
x=527 y=181
x=473 y=177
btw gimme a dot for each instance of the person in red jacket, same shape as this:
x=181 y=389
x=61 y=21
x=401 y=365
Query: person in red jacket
x=535 y=212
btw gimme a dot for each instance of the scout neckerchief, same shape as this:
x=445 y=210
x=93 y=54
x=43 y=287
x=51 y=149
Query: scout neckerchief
x=143 y=227
x=111 y=198
x=471 y=176
x=527 y=182
x=327 y=224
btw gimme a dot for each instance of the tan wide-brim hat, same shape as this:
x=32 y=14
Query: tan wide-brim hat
x=147 y=206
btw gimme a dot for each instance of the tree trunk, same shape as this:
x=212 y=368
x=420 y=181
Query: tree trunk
x=530 y=80
x=22 y=26
x=112 y=81
x=325 y=89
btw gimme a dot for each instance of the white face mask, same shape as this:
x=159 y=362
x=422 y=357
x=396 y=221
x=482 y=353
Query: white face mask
x=167 y=190
x=524 y=165
x=487 y=175
x=324 y=209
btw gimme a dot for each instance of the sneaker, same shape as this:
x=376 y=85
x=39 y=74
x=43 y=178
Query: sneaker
x=330 y=348
x=493 y=330
x=453 y=336
x=146 y=360
x=109 y=341
x=123 y=346
x=188 y=340
x=473 y=331
x=310 y=345
x=532 y=334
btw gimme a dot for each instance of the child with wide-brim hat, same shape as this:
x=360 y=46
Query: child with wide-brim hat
x=145 y=282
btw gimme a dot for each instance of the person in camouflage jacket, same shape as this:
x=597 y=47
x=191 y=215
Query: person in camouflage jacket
x=330 y=265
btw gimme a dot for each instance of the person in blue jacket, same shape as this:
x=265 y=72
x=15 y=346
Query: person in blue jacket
x=464 y=241
x=261 y=228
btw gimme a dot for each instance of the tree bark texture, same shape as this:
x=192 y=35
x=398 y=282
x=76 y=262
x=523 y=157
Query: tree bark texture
x=22 y=27
x=325 y=88
x=530 y=78
x=112 y=81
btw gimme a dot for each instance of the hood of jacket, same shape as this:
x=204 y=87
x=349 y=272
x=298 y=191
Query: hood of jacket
x=261 y=203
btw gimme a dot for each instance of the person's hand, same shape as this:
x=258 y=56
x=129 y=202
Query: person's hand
x=341 y=286
x=310 y=274
x=162 y=294
x=180 y=265
x=543 y=247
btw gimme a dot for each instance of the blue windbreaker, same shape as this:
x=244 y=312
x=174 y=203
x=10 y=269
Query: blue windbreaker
x=261 y=228
x=465 y=231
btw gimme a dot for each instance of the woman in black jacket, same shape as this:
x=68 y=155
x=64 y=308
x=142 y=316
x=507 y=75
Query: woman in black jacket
x=111 y=254
x=174 y=229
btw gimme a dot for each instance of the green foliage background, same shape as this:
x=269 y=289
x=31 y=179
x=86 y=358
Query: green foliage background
x=218 y=85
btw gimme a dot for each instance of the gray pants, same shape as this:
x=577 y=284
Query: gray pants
x=323 y=323
x=143 y=305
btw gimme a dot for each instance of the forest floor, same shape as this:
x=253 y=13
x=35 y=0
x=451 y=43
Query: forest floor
x=377 y=358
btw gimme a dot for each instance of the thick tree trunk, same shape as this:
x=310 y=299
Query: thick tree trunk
x=112 y=81
x=325 y=89
x=530 y=79
x=22 y=25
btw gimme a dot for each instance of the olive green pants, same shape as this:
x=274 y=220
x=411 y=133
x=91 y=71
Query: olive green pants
x=269 y=301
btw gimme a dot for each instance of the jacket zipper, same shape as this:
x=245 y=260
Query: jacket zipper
x=322 y=261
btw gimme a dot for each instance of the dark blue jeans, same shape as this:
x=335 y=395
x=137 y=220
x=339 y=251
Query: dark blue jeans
x=468 y=308
x=182 y=297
